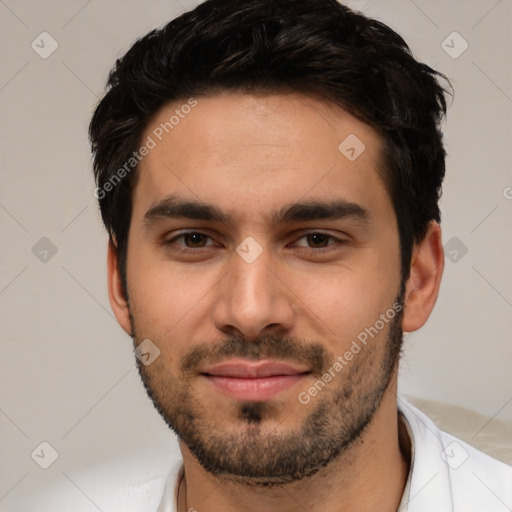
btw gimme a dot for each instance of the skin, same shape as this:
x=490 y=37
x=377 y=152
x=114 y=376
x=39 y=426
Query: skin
x=249 y=156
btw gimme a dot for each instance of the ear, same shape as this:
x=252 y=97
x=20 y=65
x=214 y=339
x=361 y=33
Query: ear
x=118 y=302
x=422 y=287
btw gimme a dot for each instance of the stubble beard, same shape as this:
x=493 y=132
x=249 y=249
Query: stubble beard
x=250 y=451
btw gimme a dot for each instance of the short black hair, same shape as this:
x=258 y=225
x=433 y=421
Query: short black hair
x=315 y=47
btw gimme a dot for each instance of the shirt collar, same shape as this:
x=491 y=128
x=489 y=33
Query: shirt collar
x=429 y=482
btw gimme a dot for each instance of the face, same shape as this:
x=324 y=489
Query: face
x=264 y=264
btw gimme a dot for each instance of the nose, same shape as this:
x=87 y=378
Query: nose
x=253 y=299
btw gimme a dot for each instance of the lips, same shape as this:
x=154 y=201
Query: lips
x=253 y=370
x=253 y=381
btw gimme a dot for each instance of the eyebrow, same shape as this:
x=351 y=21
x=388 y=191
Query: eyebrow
x=174 y=207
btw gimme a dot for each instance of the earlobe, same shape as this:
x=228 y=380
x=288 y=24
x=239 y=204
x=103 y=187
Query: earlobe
x=118 y=301
x=422 y=287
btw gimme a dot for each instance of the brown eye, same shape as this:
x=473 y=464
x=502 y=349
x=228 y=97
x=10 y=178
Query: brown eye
x=194 y=240
x=318 y=243
x=189 y=241
x=318 y=240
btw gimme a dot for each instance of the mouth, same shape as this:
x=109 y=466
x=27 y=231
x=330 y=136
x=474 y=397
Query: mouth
x=253 y=381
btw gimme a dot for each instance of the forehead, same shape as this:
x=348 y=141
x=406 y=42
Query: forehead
x=249 y=154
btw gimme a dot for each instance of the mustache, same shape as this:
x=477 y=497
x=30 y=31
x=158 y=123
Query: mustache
x=313 y=355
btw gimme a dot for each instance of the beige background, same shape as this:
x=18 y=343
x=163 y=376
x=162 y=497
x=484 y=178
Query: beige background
x=67 y=374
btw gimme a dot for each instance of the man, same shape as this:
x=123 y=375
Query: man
x=269 y=175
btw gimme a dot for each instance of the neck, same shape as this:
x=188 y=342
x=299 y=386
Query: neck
x=370 y=475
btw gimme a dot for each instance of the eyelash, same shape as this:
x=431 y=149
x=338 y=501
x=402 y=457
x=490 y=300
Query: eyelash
x=188 y=250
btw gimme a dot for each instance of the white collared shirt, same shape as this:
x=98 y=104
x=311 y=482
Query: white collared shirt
x=446 y=474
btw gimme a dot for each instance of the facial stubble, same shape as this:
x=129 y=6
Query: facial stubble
x=250 y=451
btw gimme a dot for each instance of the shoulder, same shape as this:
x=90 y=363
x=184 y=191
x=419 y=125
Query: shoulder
x=448 y=473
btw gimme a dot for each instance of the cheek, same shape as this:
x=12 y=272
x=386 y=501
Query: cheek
x=156 y=294
x=168 y=301
x=160 y=301
x=161 y=314
x=343 y=304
